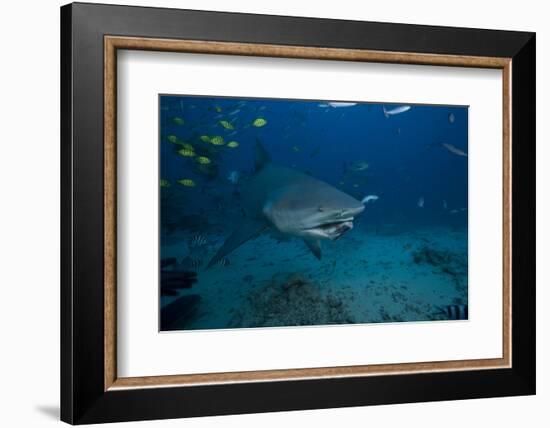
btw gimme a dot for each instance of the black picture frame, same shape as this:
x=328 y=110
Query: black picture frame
x=83 y=396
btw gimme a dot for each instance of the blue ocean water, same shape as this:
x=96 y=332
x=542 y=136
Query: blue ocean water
x=405 y=259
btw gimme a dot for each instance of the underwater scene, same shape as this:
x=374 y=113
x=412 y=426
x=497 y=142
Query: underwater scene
x=284 y=212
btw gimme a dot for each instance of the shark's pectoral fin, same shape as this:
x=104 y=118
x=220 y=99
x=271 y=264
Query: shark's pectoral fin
x=315 y=246
x=247 y=230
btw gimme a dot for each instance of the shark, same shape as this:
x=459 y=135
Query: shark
x=294 y=204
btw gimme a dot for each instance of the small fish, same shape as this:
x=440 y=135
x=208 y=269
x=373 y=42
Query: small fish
x=259 y=122
x=172 y=139
x=444 y=204
x=453 y=211
x=355 y=185
x=234 y=112
x=420 y=202
x=451 y=118
x=217 y=140
x=395 y=110
x=197 y=241
x=232 y=144
x=358 y=166
x=296 y=148
x=186 y=152
x=205 y=138
x=454 y=150
x=186 y=146
x=218 y=109
x=233 y=177
x=224 y=261
x=203 y=160
x=341 y=104
x=177 y=121
x=195 y=263
x=187 y=182
x=226 y=124
x=455 y=312
x=164 y=183
x=368 y=198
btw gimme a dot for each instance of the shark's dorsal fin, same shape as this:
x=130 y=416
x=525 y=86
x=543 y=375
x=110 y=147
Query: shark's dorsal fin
x=315 y=246
x=248 y=229
x=261 y=157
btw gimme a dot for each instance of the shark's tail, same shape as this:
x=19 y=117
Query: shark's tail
x=261 y=157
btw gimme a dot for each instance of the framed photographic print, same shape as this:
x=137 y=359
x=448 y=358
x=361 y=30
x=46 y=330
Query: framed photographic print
x=265 y=213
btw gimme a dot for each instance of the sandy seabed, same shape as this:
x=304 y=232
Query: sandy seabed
x=368 y=276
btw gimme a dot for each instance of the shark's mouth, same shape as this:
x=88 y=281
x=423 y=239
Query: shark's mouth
x=332 y=231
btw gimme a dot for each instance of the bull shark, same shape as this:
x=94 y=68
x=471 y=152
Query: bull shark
x=292 y=203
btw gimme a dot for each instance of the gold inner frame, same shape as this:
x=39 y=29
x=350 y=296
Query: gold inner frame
x=113 y=43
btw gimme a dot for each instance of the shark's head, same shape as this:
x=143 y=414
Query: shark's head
x=312 y=209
